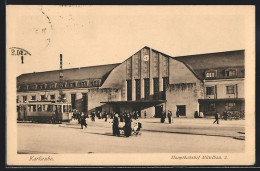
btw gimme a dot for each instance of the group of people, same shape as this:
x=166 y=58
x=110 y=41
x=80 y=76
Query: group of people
x=169 y=116
x=127 y=128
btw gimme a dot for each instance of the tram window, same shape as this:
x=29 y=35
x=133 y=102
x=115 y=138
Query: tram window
x=50 y=108
x=39 y=108
x=32 y=108
x=59 y=108
x=70 y=108
x=43 y=108
x=64 y=108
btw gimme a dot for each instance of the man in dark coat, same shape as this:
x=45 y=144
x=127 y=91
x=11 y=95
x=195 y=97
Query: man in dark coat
x=83 y=121
x=115 y=126
x=128 y=129
x=216 y=118
x=169 y=115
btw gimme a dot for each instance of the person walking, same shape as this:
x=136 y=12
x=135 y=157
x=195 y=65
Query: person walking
x=105 y=115
x=83 y=121
x=169 y=115
x=128 y=129
x=216 y=118
x=115 y=126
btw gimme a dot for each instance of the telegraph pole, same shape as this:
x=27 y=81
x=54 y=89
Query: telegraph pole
x=60 y=79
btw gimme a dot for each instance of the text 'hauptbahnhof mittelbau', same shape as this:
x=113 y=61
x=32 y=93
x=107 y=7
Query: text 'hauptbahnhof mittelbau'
x=148 y=81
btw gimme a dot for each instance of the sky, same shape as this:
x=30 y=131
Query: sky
x=99 y=35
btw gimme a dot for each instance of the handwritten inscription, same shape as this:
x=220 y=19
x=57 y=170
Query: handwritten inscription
x=198 y=157
x=40 y=158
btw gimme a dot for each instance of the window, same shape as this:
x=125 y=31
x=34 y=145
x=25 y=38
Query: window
x=42 y=97
x=50 y=108
x=65 y=107
x=17 y=99
x=24 y=98
x=32 y=108
x=230 y=72
x=33 y=98
x=231 y=106
x=211 y=74
x=39 y=108
x=156 y=88
x=230 y=89
x=210 y=90
x=165 y=85
x=59 y=108
x=211 y=107
x=52 y=97
x=129 y=89
x=146 y=89
x=138 y=89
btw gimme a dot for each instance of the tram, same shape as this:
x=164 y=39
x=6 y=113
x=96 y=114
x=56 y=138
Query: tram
x=45 y=111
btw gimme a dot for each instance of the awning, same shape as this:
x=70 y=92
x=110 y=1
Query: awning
x=221 y=100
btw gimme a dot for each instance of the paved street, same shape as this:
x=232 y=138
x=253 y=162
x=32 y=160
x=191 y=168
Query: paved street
x=183 y=136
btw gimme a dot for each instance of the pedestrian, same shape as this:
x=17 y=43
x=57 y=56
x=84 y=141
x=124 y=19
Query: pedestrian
x=83 y=121
x=115 y=126
x=216 y=118
x=163 y=116
x=93 y=116
x=105 y=115
x=128 y=129
x=169 y=115
x=135 y=115
x=178 y=113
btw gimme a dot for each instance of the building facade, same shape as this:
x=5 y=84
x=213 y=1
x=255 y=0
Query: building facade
x=148 y=81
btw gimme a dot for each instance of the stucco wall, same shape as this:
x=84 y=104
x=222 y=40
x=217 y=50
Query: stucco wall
x=184 y=94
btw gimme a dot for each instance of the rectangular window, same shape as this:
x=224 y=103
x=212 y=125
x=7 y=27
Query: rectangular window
x=230 y=89
x=42 y=97
x=52 y=97
x=73 y=101
x=50 y=108
x=146 y=88
x=231 y=106
x=138 y=89
x=17 y=99
x=59 y=108
x=230 y=73
x=129 y=89
x=210 y=90
x=32 y=108
x=84 y=102
x=33 y=97
x=156 y=88
x=39 y=108
x=211 y=74
x=165 y=85
x=65 y=107
x=24 y=98
x=211 y=107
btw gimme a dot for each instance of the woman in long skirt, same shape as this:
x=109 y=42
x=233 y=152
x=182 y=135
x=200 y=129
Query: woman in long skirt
x=128 y=129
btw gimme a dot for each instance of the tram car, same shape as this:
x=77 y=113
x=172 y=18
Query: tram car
x=45 y=111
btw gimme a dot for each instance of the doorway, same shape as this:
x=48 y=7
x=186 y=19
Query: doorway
x=182 y=110
x=158 y=111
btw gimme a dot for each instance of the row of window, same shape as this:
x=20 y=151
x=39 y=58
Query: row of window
x=58 y=85
x=228 y=73
x=147 y=89
x=229 y=106
x=230 y=89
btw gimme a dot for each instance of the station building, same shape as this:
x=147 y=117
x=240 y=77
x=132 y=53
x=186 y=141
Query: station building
x=148 y=81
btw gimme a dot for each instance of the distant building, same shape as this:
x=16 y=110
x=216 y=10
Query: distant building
x=148 y=81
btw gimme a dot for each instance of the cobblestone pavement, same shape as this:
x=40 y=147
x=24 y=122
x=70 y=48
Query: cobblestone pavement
x=184 y=135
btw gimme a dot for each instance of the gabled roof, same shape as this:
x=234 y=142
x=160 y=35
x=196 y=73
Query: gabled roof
x=219 y=61
x=91 y=72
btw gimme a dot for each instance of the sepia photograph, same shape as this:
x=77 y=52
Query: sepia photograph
x=91 y=85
